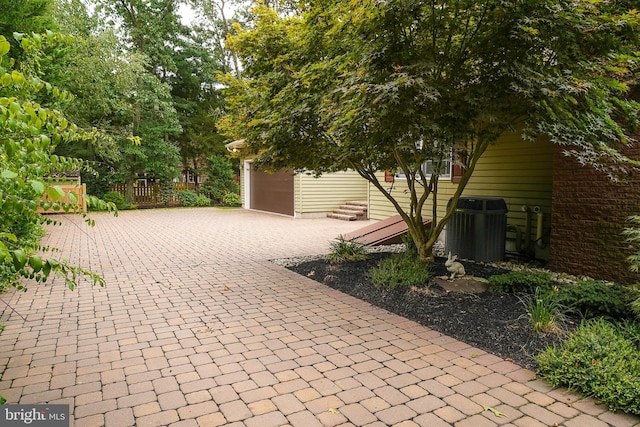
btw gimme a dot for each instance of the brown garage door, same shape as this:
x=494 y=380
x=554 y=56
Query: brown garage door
x=272 y=192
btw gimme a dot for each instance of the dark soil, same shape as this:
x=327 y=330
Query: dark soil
x=497 y=323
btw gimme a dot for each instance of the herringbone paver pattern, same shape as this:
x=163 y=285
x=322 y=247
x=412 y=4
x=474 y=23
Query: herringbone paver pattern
x=196 y=327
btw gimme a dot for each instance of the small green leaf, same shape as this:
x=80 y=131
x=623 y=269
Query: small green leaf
x=19 y=259
x=46 y=269
x=36 y=263
x=55 y=193
x=14 y=107
x=73 y=198
x=4 y=46
x=9 y=236
x=7 y=174
x=38 y=186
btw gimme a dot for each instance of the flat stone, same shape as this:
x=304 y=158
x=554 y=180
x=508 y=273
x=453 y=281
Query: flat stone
x=467 y=285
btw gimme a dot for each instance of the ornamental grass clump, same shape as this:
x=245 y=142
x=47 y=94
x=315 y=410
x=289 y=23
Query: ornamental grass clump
x=343 y=250
x=544 y=311
x=601 y=360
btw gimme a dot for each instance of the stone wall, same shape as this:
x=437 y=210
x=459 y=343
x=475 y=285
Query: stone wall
x=589 y=212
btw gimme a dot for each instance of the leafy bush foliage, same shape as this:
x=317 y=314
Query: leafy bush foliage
x=343 y=250
x=601 y=360
x=231 y=199
x=187 y=197
x=593 y=298
x=29 y=133
x=115 y=198
x=219 y=180
x=401 y=269
x=166 y=191
x=518 y=281
x=202 y=200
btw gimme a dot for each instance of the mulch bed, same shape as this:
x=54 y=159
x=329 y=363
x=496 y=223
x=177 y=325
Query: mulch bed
x=494 y=322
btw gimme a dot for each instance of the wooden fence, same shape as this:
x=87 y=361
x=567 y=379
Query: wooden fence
x=78 y=189
x=151 y=194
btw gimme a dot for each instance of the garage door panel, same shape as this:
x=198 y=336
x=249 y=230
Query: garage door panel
x=272 y=192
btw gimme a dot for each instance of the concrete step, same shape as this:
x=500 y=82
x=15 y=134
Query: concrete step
x=342 y=217
x=358 y=203
x=351 y=210
x=348 y=211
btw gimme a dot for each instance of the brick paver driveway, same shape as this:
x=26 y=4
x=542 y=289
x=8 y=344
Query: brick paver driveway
x=196 y=327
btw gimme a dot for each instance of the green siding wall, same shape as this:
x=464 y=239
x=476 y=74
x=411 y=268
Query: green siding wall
x=323 y=194
x=518 y=171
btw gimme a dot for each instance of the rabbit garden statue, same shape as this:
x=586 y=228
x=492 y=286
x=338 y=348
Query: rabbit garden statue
x=454 y=267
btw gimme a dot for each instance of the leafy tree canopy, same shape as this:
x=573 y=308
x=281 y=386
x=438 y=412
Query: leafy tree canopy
x=181 y=58
x=26 y=16
x=372 y=86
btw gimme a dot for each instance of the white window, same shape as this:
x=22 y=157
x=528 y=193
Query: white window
x=427 y=167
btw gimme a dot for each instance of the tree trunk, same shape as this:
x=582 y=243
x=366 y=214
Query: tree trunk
x=129 y=193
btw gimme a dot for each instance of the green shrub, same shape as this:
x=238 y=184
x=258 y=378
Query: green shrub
x=167 y=191
x=343 y=250
x=519 y=281
x=187 y=197
x=631 y=331
x=231 y=199
x=593 y=298
x=115 y=198
x=219 y=182
x=202 y=200
x=401 y=269
x=598 y=360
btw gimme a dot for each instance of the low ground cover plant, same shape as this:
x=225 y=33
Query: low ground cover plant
x=401 y=269
x=594 y=298
x=601 y=360
x=519 y=281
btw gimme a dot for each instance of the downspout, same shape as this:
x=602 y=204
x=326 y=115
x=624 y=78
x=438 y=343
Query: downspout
x=516 y=230
x=527 y=229
x=539 y=222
